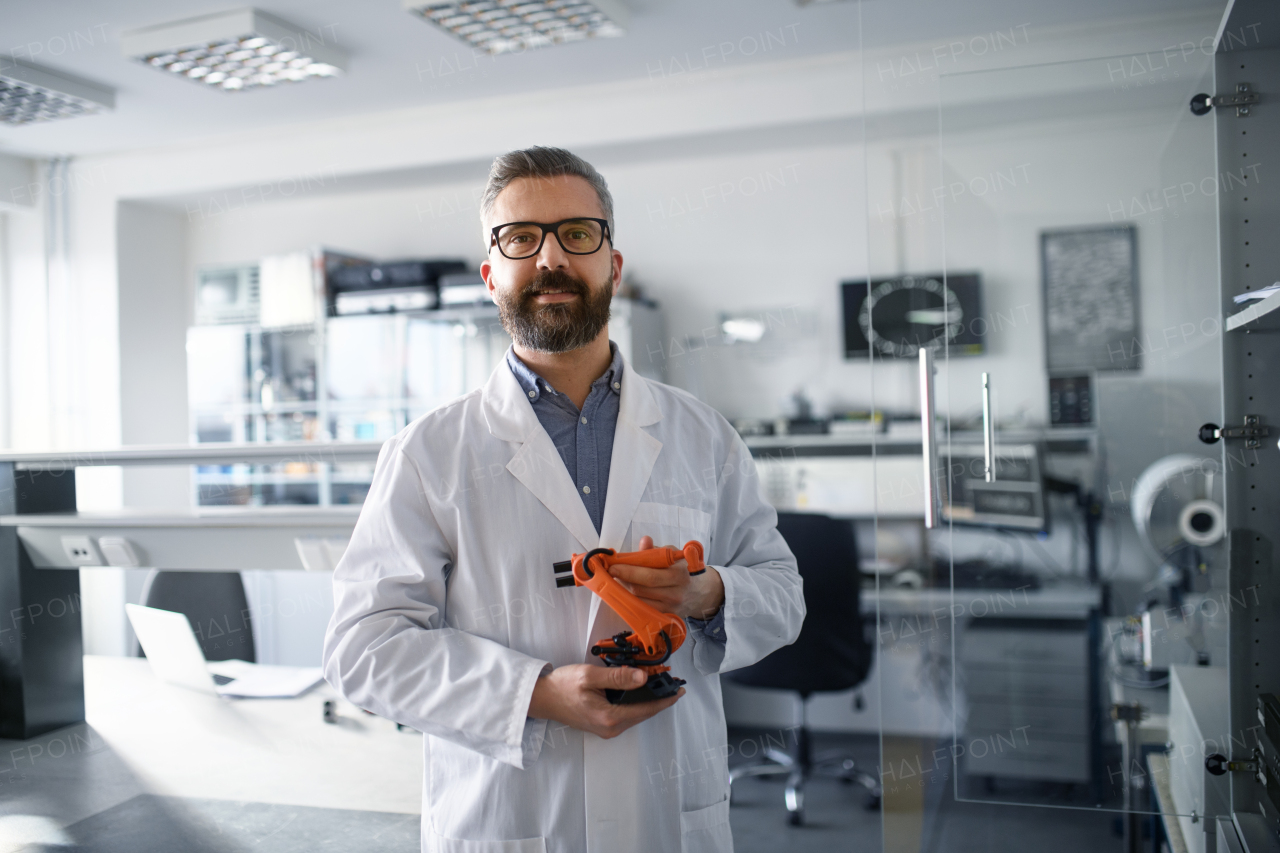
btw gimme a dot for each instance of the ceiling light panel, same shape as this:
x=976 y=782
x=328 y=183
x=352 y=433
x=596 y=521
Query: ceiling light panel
x=29 y=94
x=235 y=51
x=513 y=26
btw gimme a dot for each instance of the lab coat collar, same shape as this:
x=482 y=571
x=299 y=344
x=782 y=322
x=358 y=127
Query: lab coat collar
x=510 y=417
x=537 y=464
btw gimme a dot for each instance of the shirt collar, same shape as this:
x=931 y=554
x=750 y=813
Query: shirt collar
x=533 y=385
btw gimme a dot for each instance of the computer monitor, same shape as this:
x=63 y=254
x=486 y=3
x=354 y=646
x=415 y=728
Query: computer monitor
x=896 y=316
x=1014 y=501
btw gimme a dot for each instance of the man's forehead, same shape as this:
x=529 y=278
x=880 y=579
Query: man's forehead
x=545 y=199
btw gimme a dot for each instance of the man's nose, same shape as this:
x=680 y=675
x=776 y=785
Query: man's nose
x=551 y=256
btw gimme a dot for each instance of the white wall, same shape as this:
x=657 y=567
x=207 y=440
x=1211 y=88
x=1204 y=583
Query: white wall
x=404 y=183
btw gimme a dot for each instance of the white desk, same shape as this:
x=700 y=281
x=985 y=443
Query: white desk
x=145 y=736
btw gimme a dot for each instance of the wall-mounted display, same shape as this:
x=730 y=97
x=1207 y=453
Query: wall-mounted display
x=897 y=316
x=1090 y=279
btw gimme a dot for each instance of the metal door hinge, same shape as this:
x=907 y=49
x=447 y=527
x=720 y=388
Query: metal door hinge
x=1218 y=765
x=1243 y=97
x=1252 y=432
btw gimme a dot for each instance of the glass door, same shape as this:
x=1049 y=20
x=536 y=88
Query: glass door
x=1054 y=247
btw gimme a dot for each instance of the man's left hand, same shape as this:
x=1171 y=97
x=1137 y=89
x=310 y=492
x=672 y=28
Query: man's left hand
x=673 y=589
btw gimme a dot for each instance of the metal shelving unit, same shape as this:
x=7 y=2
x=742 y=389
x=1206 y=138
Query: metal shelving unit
x=350 y=378
x=1260 y=316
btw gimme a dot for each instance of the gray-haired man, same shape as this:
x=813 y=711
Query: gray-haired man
x=448 y=616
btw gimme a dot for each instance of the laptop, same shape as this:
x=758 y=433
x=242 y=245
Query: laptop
x=175 y=657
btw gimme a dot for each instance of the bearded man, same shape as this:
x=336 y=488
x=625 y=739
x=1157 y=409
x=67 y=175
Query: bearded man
x=449 y=616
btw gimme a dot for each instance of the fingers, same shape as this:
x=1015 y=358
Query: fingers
x=641 y=711
x=619 y=718
x=646 y=542
x=676 y=575
x=613 y=678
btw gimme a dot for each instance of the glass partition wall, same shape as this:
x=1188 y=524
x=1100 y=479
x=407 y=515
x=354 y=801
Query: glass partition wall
x=1052 y=668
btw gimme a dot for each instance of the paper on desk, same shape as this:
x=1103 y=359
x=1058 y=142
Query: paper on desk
x=260 y=681
x=1257 y=294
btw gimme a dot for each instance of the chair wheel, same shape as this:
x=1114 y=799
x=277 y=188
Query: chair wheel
x=795 y=818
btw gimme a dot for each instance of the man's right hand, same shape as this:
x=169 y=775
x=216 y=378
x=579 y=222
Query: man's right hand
x=574 y=695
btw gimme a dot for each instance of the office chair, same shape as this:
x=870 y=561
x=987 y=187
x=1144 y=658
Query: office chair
x=216 y=604
x=832 y=653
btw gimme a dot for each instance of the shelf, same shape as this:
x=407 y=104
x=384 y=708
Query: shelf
x=218 y=478
x=243 y=409
x=204 y=517
x=1262 y=316
x=1057 y=440
x=444 y=314
x=212 y=453
x=1061 y=601
x=208 y=539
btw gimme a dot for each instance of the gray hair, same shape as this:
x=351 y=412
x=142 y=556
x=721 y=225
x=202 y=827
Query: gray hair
x=540 y=162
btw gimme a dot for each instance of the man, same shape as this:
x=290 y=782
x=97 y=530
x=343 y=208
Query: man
x=448 y=615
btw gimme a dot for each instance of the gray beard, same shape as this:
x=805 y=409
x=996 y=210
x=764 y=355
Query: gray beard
x=557 y=327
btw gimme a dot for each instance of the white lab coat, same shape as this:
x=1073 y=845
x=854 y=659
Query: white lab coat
x=446 y=611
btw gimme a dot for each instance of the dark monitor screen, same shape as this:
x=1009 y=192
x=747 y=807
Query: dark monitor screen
x=1014 y=501
x=899 y=315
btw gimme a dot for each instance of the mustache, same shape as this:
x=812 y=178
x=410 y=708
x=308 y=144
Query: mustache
x=555 y=281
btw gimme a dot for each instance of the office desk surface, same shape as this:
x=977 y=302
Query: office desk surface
x=145 y=736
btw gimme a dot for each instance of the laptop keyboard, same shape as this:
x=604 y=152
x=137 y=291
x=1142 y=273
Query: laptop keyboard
x=222 y=679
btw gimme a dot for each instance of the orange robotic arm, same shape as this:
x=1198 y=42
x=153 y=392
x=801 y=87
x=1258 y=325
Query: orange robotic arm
x=654 y=635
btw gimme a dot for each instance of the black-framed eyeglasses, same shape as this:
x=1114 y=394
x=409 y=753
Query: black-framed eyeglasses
x=583 y=235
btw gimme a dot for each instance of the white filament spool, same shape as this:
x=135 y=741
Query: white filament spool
x=1175 y=501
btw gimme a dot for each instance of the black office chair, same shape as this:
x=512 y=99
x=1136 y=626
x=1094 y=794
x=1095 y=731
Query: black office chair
x=832 y=653
x=216 y=604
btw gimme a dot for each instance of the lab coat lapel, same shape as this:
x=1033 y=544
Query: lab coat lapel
x=634 y=454
x=537 y=464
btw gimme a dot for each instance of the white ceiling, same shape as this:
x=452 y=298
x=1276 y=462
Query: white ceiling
x=398 y=61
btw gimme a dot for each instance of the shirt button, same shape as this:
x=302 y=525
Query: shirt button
x=586 y=490
x=584 y=420
x=617 y=385
x=533 y=394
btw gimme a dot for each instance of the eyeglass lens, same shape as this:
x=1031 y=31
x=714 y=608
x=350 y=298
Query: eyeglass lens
x=577 y=236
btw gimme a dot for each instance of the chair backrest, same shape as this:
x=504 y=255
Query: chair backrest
x=832 y=652
x=216 y=605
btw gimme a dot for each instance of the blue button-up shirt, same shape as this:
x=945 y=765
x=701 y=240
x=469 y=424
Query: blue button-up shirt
x=584 y=438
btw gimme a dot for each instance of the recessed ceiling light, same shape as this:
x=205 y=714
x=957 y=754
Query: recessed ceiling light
x=233 y=51
x=513 y=26
x=29 y=94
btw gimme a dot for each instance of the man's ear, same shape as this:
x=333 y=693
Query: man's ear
x=617 y=271
x=486 y=273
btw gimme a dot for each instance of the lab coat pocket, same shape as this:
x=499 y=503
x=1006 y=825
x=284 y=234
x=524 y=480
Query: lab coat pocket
x=440 y=844
x=669 y=524
x=706 y=830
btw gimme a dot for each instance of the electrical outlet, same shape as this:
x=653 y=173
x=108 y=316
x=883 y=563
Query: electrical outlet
x=81 y=551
